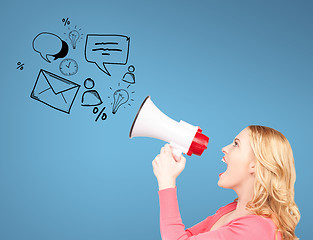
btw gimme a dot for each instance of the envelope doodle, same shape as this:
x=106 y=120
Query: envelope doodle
x=55 y=91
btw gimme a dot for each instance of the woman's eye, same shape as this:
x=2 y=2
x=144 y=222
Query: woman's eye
x=235 y=144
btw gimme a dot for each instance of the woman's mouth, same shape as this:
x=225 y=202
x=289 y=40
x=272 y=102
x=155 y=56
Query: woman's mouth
x=223 y=160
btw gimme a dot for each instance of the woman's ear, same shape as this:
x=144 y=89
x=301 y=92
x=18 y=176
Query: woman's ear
x=252 y=166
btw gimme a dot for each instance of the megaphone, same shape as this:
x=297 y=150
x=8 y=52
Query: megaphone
x=182 y=136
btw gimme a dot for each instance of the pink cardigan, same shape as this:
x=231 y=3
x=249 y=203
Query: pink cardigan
x=250 y=227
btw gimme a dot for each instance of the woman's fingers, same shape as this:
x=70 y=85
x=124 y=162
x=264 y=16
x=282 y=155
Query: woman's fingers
x=154 y=163
x=168 y=148
x=182 y=160
x=166 y=165
x=162 y=150
x=177 y=158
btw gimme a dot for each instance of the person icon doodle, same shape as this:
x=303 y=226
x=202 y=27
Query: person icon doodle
x=129 y=77
x=90 y=97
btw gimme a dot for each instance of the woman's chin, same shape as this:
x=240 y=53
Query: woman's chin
x=222 y=182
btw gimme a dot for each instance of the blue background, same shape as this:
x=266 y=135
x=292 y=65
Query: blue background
x=220 y=65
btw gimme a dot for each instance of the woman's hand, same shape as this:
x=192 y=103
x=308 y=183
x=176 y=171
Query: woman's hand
x=167 y=167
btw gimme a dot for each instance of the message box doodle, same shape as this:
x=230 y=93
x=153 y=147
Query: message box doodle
x=49 y=44
x=104 y=49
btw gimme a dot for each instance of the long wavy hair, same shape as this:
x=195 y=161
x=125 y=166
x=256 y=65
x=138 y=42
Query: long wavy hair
x=275 y=177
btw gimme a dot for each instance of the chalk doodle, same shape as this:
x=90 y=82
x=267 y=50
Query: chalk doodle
x=102 y=114
x=68 y=67
x=121 y=97
x=104 y=49
x=54 y=91
x=101 y=49
x=66 y=21
x=90 y=97
x=129 y=77
x=49 y=44
x=20 y=65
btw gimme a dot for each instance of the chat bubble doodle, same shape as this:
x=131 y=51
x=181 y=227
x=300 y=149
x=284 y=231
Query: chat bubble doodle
x=49 y=44
x=104 y=49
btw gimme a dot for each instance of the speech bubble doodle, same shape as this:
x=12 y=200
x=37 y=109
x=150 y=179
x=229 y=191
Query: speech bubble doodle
x=104 y=49
x=49 y=44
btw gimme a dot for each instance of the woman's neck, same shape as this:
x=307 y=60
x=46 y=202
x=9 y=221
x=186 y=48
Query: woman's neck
x=245 y=195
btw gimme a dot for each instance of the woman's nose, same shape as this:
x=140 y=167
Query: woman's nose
x=225 y=149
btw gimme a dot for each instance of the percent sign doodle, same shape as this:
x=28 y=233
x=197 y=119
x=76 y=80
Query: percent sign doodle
x=96 y=110
x=66 y=21
x=20 y=66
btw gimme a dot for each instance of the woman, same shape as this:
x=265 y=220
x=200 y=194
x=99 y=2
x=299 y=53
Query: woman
x=260 y=169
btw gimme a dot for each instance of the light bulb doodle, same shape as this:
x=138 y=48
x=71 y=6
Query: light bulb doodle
x=130 y=94
x=73 y=36
x=120 y=97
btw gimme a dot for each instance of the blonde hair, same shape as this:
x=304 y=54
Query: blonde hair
x=275 y=177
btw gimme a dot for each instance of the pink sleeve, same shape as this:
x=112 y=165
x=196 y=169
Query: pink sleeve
x=201 y=227
x=245 y=228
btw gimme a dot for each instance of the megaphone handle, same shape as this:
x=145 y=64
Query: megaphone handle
x=176 y=151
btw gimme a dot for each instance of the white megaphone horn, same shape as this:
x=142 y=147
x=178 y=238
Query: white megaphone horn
x=183 y=137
